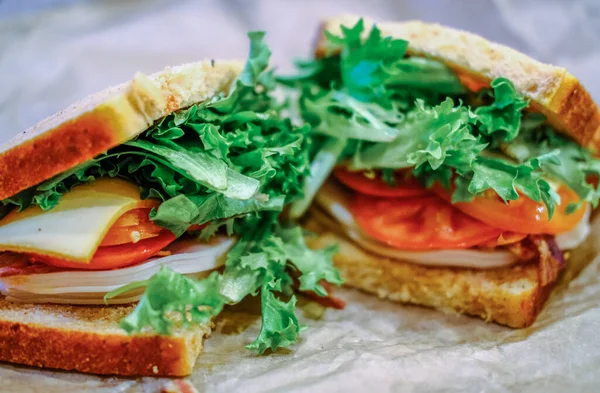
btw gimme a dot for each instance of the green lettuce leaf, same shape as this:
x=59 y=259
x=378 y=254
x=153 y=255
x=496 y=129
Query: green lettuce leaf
x=280 y=326
x=255 y=74
x=322 y=166
x=179 y=213
x=202 y=168
x=374 y=69
x=339 y=115
x=323 y=72
x=571 y=164
x=504 y=114
x=166 y=292
x=429 y=135
x=313 y=265
x=264 y=261
x=443 y=141
x=395 y=112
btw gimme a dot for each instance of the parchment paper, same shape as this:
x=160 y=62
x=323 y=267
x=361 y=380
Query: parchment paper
x=50 y=59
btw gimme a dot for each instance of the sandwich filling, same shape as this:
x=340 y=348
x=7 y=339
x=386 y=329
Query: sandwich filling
x=216 y=176
x=429 y=165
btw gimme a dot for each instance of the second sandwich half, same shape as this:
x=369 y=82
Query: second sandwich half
x=457 y=173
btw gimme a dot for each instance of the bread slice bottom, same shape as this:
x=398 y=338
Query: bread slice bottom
x=88 y=339
x=510 y=296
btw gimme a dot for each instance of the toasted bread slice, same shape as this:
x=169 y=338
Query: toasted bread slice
x=511 y=296
x=552 y=90
x=89 y=339
x=105 y=120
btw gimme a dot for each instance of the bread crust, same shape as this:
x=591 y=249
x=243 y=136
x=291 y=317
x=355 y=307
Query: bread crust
x=88 y=339
x=508 y=296
x=552 y=90
x=105 y=120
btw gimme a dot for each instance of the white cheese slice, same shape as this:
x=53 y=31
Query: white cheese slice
x=75 y=228
x=189 y=257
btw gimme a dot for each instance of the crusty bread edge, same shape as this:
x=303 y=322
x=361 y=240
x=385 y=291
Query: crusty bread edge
x=511 y=312
x=552 y=90
x=110 y=354
x=105 y=120
x=381 y=277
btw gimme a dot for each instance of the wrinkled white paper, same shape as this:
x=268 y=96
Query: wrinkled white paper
x=49 y=60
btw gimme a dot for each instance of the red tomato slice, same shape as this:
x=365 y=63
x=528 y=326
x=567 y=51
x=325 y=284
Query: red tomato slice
x=419 y=223
x=406 y=184
x=133 y=217
x=130 y=234
x=131 y=227
x=114 y=257
x=472 y=83
x=521 y=215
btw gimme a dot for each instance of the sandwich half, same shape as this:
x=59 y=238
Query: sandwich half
x=130 y=219
x=453 y=172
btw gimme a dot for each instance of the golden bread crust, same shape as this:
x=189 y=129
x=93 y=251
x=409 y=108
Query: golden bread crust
x=552 y=90
x=51 y=153
x=508 y=296
x=88 y=339
x=105 y=120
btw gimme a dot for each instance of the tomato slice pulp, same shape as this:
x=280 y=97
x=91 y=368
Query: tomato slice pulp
x=419 y=223
x=522 y=215
x=406 y=184
x=133 y=226
x=113 y=257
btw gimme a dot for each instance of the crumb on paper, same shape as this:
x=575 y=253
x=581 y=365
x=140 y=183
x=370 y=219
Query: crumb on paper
x=179 y=386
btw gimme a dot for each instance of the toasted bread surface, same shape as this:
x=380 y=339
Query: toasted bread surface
x=89 y=339
x=552 y=90
x=508 y=296
x=105 y=120
x=511 y=296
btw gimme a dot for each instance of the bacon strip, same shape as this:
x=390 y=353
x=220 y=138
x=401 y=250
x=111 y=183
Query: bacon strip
x=13 y=264
x=544 y=248
x=178 y=386
x=552 y=260
x=326 y=301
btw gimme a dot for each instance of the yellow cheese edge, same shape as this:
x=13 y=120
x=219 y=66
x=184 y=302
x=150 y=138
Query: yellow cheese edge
x=91 y=192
